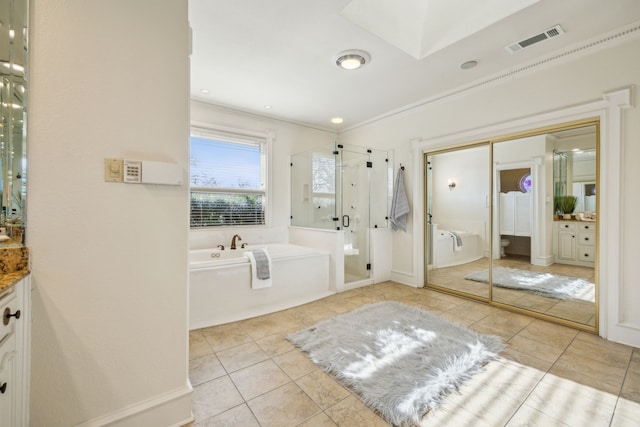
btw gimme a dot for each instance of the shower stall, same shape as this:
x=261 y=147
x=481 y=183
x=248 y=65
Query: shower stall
x=345 y=190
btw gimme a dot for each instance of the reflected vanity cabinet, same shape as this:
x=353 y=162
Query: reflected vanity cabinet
x=14 y=354
x=574 y=242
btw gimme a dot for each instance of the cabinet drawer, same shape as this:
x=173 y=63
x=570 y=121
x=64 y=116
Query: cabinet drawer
x=587 y=253
x=8 y=301
x=586 y=227
x=587 y=238
x=564 y=226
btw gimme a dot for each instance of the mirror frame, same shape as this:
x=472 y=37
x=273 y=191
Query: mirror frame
x=591 y=121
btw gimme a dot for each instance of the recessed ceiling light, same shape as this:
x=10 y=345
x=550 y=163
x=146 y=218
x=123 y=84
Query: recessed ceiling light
x=337 y=120
x=469 y=65
x=204 y=91
x=267 y=107
x=352 y=59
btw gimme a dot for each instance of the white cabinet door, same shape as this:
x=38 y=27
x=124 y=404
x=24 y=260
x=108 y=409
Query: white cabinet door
x=566 y=245
x=8 y=382
x=515 y=213
x=522 y=214
x=14 y=355
x=507 y=217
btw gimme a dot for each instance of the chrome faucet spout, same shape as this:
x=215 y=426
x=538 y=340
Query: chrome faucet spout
x=233 y=240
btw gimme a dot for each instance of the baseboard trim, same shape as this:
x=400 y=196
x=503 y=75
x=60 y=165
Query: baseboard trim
x=404 y=278
x=172 y=409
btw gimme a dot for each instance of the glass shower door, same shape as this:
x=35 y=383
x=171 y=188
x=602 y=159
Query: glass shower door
x=353 y=208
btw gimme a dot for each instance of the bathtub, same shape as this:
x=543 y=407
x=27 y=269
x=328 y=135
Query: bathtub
x=220 y=283
x=445 y=255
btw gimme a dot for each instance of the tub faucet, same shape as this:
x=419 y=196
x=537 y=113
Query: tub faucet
x=233 y=240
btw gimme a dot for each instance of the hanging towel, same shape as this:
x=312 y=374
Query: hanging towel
x=457 y=241
x=260 y=268
x=399 y=204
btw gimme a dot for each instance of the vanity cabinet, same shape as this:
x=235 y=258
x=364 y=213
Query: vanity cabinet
x=14 y=354
x=574 y=242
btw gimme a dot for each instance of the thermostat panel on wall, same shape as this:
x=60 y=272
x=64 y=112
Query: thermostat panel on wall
x=142 y=172
x=133 y=171
x=161 y=173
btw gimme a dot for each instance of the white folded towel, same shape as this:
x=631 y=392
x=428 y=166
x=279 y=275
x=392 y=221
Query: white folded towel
x=260 y=268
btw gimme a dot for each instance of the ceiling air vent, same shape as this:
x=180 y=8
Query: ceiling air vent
x=546 y=34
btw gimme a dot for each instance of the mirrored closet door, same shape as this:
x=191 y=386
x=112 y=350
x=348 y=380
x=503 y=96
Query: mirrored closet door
x=458 y=208
x=534 y=240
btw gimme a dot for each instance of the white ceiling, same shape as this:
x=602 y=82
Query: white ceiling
x=281 y=53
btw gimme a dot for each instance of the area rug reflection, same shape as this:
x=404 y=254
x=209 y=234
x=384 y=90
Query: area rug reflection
x=401 y=360
x=544 y=284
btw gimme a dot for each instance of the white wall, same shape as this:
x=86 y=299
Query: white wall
x=109 y=261
x=465 y=207
x=289 y=139
x=552 y=87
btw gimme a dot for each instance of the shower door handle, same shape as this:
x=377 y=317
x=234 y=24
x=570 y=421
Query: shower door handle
x=345 y=221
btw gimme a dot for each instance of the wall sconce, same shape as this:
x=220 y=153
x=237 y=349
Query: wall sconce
x=452 y=184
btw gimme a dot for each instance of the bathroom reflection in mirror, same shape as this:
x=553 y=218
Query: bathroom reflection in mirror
x=519 y=228
x=13 y=95
x=458 y=219
x=544 y=236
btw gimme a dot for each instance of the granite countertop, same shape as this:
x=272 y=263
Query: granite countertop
x=7 y=280
x=14 y=266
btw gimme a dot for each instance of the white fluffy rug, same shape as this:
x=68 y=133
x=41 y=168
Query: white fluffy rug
x=401 y=360
x=545 y=284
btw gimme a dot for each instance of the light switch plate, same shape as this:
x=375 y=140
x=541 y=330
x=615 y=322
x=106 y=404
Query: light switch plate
x=113 y=170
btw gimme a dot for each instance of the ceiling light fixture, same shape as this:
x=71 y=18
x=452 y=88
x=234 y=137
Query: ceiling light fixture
x=204 y=91
x=469 y=65
x=337 y=120
x=352 y=59
x=267 y=107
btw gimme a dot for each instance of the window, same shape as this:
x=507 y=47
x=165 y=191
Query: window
x=227 y=178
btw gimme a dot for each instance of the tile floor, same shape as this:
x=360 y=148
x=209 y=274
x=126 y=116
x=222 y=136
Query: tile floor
x=247 y=374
